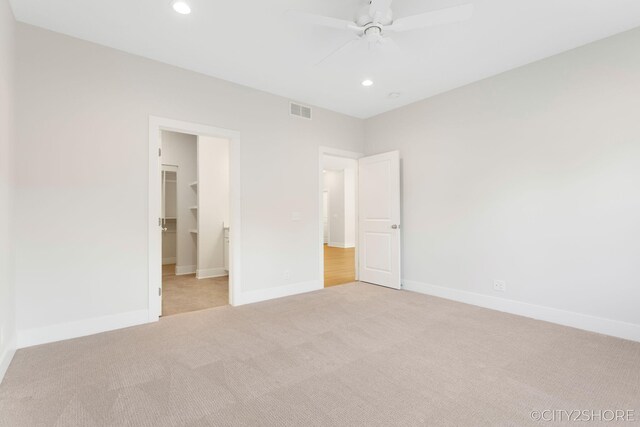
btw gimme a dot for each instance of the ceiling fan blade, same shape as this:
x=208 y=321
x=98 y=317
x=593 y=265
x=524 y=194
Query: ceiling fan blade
x=431 y=19
x=390 y=45
x=392 y=53
x=348 y=45
x=325 y=21
x=379 y=9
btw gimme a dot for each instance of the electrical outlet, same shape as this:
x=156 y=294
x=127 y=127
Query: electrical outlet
x=287 y=274
x=499 y=285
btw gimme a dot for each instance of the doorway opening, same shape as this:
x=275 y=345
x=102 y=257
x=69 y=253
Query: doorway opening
x=194 y=197
x=195 y=222
x=376 y=248
x=339 y=217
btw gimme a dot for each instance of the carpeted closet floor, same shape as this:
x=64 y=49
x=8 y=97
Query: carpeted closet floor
x=185 y=293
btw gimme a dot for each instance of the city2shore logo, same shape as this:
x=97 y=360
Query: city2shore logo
x=586 y=415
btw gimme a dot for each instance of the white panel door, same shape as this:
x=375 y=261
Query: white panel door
x=379 y=222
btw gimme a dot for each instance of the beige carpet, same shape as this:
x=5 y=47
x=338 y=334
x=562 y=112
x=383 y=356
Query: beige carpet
x=185 y=293
x=347 y=355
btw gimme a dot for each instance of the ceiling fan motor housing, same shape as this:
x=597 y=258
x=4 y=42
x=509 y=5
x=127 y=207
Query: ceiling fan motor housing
x=373 y=33
x=364 y=18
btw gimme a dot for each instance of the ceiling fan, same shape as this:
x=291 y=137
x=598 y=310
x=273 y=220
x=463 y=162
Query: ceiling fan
x=375 y=19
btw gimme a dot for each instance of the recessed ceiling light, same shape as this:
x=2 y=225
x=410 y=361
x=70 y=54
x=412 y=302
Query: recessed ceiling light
x=367 y=83
x=394 y=95
x=181 y=7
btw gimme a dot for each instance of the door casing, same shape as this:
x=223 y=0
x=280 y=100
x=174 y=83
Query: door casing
x=156 y=125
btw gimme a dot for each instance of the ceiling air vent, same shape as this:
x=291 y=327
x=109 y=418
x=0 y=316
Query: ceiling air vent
x=300 y=110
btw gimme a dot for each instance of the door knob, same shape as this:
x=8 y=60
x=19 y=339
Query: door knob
x=395 y=226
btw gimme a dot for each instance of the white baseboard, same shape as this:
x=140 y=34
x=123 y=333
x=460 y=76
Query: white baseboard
x=250 y=297
x=341 y=245
x=81 y=328
x=616 y=328
x=5 y=359
x=167 y=261
x=59 y=332
x=208 y=273
x=185 y=269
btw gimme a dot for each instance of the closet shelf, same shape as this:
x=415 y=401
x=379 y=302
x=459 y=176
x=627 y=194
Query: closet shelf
x=194 y=231
x=193 y=208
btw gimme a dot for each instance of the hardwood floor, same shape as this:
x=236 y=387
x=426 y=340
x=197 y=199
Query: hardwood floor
x=339 y=266
x=185 y=293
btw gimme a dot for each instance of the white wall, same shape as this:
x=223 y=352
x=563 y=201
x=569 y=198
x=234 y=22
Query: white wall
x=531 y=177
x=7 y=139
x=82 y=156
x=213 y=204
x=340 y=183
x=325 y=215
x=334 y=185
x=350 y=220
x=180 y=150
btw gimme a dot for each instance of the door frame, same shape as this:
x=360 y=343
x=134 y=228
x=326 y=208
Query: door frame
x=347 y=155
x=156 y=125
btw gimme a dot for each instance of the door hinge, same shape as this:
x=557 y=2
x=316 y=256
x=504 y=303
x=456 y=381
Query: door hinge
x=159 y=222
x=159 y=152
x=159 y=292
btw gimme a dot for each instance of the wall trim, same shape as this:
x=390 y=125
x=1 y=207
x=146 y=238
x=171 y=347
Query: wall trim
x=207 y=273
x=81 y=328
x=185 y=269
x=249 y=297
x=96 y=325
x=170 y=260
x=340 y=245
x=6 y=357
x=615 y=328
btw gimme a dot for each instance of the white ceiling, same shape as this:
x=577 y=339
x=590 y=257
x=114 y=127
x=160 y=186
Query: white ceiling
x=253 y=43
